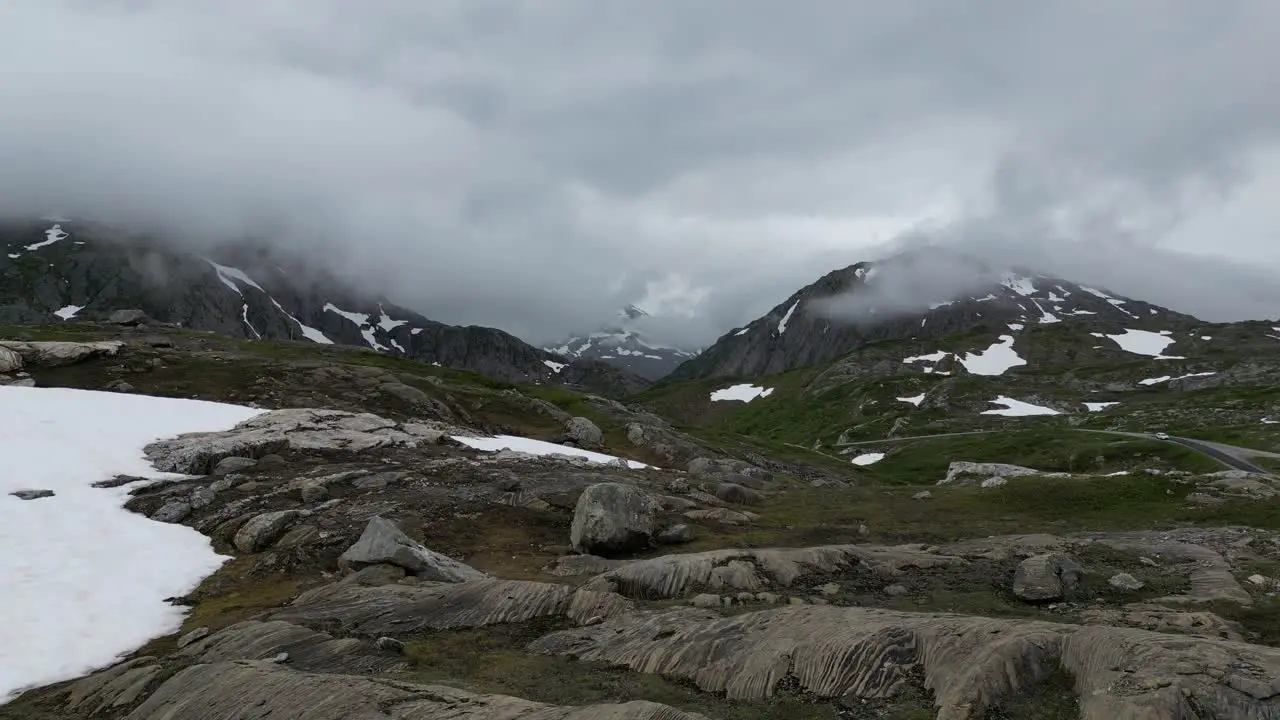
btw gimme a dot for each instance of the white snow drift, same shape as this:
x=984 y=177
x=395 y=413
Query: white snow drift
x=744 y=392
x=1145 y=342
x=537 y=447
x=84 y=580
x=995 y=360
x=1017 y=408
x=867 y=459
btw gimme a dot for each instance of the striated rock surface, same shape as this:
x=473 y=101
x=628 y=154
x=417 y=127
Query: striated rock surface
x=406 y=609
x=970 y=663
x=248 y=690
x=672 y=576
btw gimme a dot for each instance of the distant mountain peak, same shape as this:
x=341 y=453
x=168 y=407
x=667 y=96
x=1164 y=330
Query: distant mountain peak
x=632 y=312
x=624 y=344
x=917 y=295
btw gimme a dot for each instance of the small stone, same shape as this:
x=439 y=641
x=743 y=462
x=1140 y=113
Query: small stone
x=796 y=601
x=281 y=658
x=199 y=633
x=593 y=620
x=1148 y=561
x=676 y=535
x=228 y=465
x=173 y=511
x=922 y=495
x=726 y=601
x=314 y=493
x=819 y=601
x=896 y=590
x=225 y=483
x=31 y=494
x=767 y=597
x=1259 y=580
x=745 y=597
x=388 y=643
x=202 y=497
x=830 y=589
x=737 y=494
x=705 y=600
x=127 y=317
x=272 y=461
x=1125 y=581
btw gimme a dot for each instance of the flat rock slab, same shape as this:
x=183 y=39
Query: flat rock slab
x=281 y=430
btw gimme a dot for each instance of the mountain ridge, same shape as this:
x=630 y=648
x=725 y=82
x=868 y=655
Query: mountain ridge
x=844 y=310
x=57 y=271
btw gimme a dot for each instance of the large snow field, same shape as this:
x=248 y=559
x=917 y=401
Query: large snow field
x=82 y=580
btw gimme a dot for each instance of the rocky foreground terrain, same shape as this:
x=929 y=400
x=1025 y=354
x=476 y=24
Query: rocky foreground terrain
x=382 y=568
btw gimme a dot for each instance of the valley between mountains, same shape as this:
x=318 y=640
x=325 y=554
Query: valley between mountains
x=1029 y=499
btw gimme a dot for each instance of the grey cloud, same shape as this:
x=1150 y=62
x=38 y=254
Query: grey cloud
x=505 y=163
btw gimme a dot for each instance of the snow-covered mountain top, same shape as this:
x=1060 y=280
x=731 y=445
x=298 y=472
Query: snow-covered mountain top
x=625 y=343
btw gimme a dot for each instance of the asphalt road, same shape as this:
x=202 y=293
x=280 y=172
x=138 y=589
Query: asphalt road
x=1230 y=456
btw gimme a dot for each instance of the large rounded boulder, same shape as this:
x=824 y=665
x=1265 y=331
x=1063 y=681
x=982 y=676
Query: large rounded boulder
x=612 y=519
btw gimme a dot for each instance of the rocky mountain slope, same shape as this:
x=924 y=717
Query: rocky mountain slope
x=872 y=302
x=625 y=345
x=391 y=560
x=53 y=272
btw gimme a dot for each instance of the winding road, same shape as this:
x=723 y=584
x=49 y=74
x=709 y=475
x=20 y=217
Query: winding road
x=1230 y=456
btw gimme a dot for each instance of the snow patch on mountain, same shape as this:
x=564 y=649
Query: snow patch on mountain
x=995 y=360
x=1145 y=342
x=68 y=312
x=1099 y=406
x=1018 y=283
x=782 y=324
x=1168 y=378
x=1018 y=408
x=744 y=392
x=867 y=459
x=308 y=332
x=361 y=321
x=555 y=366
x=386 y=323
x=228 y=276
x=51 y=236
x=914 y=400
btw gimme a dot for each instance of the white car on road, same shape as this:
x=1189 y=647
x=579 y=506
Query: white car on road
x=1162 y=436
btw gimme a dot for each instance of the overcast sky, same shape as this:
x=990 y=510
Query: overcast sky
x=535 y=165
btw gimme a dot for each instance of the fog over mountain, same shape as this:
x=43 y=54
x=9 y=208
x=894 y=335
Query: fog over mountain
x=537 y=166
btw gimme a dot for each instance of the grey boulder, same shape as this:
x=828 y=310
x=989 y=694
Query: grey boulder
x=1046 y=577
x=382 y=543
x=613 y=518
x=584 y=432
x=263 y=530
